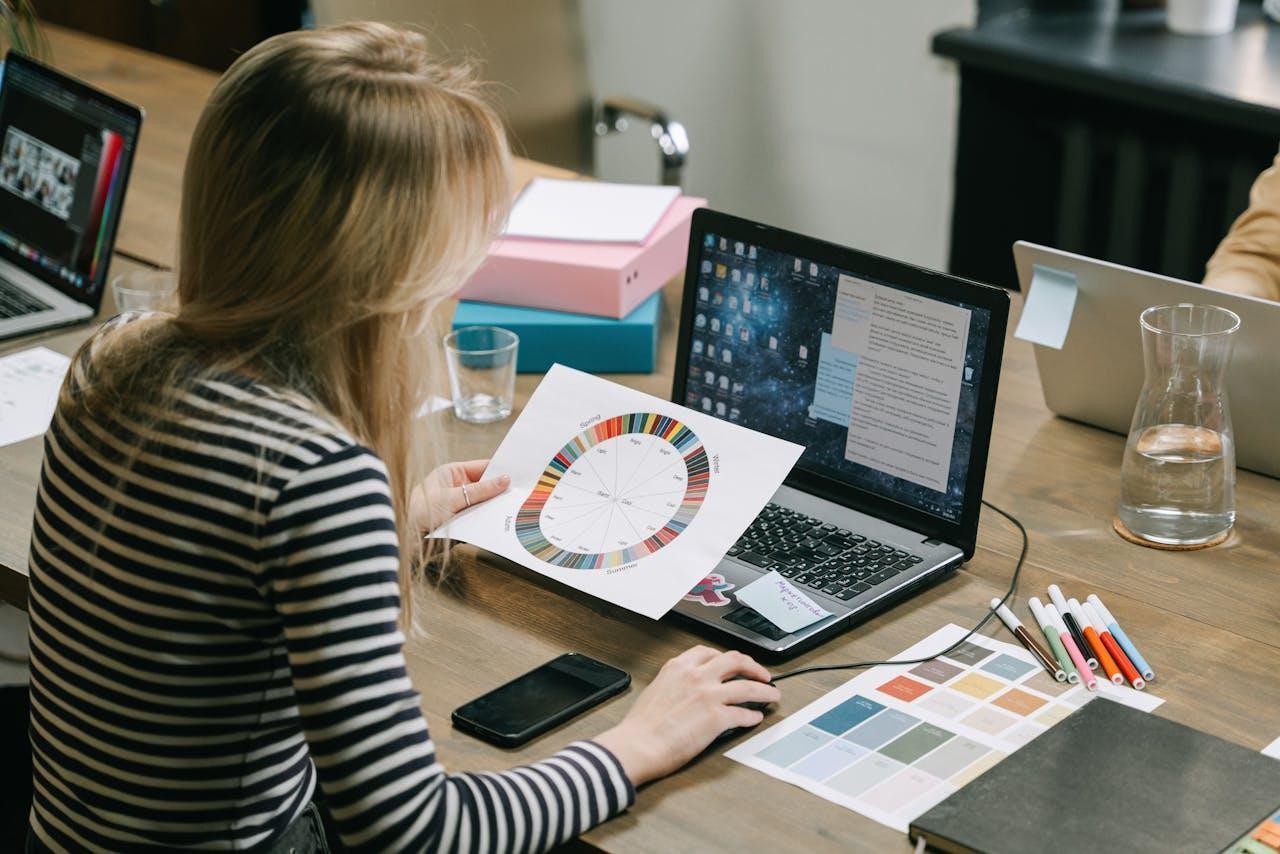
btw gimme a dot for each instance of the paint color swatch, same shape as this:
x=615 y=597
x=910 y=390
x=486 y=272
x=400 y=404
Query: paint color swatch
x=894 y=741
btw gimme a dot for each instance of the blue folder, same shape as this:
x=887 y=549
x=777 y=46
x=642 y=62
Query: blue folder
x=600 y=345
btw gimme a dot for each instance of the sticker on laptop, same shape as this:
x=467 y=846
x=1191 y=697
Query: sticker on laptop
x=710 y=591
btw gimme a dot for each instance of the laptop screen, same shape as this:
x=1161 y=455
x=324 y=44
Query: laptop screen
x=879 y=383
x=65 y=152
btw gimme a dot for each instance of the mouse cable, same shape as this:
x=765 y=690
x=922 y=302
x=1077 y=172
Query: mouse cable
x=1008 y=594
x=138 y=259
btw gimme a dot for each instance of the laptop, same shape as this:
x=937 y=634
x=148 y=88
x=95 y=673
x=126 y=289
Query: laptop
x=886 y=373
x=1096 y=377
x=65 y=154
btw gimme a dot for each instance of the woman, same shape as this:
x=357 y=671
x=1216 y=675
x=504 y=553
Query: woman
x=228 y=519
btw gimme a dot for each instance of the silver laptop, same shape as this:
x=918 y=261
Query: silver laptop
x=65 y=154
x=885 y=372
x=1097 y=375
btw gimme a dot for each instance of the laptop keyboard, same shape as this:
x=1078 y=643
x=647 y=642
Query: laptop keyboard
x=819 y=555
x=15 y=302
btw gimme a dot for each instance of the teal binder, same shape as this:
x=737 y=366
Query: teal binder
x=598 y=345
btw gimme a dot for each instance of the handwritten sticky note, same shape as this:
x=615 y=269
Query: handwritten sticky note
x=1046 y=313
x=781 y=603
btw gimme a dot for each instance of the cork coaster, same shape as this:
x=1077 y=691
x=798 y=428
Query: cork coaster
x=1125 y=533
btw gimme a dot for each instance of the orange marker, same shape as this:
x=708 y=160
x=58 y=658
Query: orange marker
x=1095 y=642
x=1122 y=661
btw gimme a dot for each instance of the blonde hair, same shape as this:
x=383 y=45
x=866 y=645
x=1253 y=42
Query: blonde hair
x=340 y=185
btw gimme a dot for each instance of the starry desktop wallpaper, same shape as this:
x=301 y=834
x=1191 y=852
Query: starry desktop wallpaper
x=757 y=332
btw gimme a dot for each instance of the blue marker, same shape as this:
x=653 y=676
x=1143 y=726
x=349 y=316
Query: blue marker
x=1122 y=639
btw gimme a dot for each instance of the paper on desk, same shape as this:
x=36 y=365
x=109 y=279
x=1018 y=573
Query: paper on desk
x=622 y=495
x=29 y=384
x=1272 y=749
x=1046 y=313
x=781 y=603
x=897 y=739
x=592 y=211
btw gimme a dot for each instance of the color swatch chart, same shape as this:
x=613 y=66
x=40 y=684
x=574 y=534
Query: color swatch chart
x=894 y=741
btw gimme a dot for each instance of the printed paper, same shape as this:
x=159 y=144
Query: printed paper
x=896 y=740
x=622 y=495
x=29 y=384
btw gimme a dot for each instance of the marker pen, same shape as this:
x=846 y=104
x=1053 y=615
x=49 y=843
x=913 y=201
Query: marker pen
x=1095 y=641
x=1122 y=661
x=1073 y=628
x=1055 y=643
x=1086 y=675
x=1123 y=639
x=1038 y=652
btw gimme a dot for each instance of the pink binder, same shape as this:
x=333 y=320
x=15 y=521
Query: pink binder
x=606 y=279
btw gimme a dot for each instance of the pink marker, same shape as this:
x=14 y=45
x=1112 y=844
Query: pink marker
x=1086 y=675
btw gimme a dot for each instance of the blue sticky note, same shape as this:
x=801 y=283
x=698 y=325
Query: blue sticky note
x=1047 y=310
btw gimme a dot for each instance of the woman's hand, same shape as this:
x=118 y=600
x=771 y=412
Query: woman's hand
x=692 y=701
x=450 y=489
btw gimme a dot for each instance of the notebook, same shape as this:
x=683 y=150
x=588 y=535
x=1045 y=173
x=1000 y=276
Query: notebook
x=1110 y=778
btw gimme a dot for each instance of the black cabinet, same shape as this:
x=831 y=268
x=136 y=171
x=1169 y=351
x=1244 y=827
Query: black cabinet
x=1103 y=133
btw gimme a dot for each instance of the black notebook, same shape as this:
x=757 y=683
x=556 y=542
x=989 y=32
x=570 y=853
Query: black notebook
x=1110 y=778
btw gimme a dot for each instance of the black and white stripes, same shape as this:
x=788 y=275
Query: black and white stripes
x=213 y=631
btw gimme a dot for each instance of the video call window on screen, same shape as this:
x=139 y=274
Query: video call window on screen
x=879 y=383
x=61 y=176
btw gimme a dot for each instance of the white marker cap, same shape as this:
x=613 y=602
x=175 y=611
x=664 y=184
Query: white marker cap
x=1002 y=611
x=1094 y=620
x=1102 y=609
x=1055 y=619
x=1078 y=613
x=1059 y=601
x=1037 y=610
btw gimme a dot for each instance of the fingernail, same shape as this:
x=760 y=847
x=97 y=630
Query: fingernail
x=504 y=480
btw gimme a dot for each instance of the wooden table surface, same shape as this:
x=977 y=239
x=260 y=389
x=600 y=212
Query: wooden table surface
x=1209 y=621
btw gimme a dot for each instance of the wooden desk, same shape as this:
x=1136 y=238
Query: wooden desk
x=1209 y=621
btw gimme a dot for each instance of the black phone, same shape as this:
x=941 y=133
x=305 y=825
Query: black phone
x=540 y=700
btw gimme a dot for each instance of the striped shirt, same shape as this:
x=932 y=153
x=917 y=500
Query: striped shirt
x=213 y=633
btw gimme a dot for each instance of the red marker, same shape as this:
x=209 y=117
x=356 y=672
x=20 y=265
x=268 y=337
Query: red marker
x=1122 y=661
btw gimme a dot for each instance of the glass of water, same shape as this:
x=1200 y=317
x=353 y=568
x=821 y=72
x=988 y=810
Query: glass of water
x=145 y=290
x=1177 y=482
x=482 y=372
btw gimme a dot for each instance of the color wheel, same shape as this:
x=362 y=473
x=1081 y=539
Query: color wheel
x=618 y=491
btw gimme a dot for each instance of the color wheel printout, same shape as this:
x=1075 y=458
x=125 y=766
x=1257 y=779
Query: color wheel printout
x=620 y=494
x=894 y=741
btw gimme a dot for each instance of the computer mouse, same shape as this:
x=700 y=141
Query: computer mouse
x=735 y=731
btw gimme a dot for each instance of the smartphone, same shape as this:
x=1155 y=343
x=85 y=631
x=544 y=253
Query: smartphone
x=540 y=700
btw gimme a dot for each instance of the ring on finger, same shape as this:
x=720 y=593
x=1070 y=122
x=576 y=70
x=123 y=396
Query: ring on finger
x=465 y=496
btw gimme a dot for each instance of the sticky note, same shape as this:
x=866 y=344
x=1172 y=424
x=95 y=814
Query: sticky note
x=781 y=603
x=1047 y=310
x=1272 y=749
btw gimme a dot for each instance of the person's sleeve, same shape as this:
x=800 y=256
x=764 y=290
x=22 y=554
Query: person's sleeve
x=330 y=567
x=1247 y=260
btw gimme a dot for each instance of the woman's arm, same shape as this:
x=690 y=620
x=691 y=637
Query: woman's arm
x=331 y=574
x=1247 y=260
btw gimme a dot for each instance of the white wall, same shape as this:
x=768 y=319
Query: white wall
x=829 y=117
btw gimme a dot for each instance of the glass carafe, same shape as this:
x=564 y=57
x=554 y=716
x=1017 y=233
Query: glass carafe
x=1177 y=482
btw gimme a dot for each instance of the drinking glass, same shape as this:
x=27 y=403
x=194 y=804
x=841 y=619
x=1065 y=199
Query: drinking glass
x=1177 y=482
x=482 y=372
x=145 y=291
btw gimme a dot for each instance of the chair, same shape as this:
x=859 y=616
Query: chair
x=534 y=50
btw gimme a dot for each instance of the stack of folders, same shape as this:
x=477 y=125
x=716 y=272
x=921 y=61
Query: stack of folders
x=578 y=273
x=1111 y=778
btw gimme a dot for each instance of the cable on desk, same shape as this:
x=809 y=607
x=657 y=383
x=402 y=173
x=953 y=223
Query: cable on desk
x=1008 y=594
x=138 y=259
